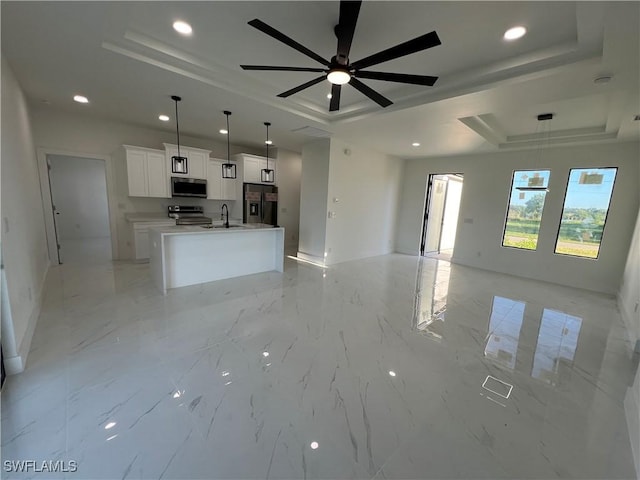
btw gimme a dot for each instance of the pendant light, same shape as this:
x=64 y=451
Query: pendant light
x=178 y=163
x=228 y=169
x=267 y=175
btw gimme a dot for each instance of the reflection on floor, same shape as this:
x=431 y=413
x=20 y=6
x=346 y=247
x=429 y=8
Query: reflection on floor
x=388 y=367
x=85 y=250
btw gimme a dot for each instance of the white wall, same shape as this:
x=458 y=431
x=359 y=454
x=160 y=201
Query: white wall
x=367 y=186
x=629 y=295
x=628 y=301
x=313 y=198
x=79 y=192
x=487 y=180
x=79 y=133
x=289 y=169
x=24 y=243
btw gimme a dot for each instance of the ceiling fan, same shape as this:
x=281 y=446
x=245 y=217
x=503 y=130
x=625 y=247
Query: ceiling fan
x=339 y=70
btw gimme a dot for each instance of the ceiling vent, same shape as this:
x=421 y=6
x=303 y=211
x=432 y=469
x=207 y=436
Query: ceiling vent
x=312 y=132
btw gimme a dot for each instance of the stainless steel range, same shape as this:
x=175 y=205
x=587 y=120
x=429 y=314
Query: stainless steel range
x=188 y=215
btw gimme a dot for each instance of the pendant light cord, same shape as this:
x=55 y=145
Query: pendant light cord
x=267 y=143
x=228 y=140
x=177 y=99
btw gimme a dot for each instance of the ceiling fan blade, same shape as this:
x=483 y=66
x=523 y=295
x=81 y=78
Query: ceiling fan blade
x=281 y=69
x=346 y=27
x=335 y=98
x=398 y=77
x=412 y=46
x=372 y=94
x=272 y=32
x=299 y=88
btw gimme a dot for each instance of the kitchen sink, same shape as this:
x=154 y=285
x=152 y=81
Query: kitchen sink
x=230 y=226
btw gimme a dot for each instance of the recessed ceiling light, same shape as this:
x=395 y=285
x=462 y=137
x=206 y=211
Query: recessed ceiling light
x=602 y=79
x=392 y=373
x=314 y=445
x=223 y=131
x=415 y=144
x=182 y=27
x=164 y=118
x=329 y=95
x=81 y=99
x=269 y=142
x=515 y=33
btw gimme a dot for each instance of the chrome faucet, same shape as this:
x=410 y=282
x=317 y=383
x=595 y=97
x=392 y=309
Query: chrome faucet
x=224 y=207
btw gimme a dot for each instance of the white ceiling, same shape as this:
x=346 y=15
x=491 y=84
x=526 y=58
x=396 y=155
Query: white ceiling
x=128 y=60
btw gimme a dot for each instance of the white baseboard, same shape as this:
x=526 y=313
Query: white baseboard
x=310 y=258
x=16 y=364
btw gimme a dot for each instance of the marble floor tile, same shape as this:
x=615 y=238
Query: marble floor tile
x=387 y=367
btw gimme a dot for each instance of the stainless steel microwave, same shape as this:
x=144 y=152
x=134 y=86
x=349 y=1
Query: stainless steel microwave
x=188 y=187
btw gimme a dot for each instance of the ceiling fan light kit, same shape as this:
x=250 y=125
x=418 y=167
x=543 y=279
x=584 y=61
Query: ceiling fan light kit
x=338 y=76
x=339 y=71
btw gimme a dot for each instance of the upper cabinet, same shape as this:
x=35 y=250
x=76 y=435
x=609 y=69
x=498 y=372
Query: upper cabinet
x=219 y=188
x=250 y=168
x=146 y=172
x=197 y=160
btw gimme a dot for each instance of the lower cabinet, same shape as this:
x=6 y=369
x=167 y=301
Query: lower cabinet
x=141 y=237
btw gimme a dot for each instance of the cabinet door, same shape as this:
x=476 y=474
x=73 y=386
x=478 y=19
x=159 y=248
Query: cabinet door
x=157 y=175
x=214 y=180
x=197 y=164
x=252 y=170
x=229 y=188
x=137 y=173
x=141 y=243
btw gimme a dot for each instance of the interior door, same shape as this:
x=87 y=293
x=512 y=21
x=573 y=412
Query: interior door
x=435 y=214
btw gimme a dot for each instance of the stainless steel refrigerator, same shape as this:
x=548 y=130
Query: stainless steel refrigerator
x=260 y=203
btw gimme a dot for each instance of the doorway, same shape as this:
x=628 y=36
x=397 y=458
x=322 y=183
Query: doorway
x=440 y=222
x=80 y=207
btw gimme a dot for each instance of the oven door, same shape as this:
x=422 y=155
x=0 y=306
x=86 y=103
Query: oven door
x=188 y=187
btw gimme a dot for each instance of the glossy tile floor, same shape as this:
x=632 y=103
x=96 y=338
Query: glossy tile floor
x=388 y=367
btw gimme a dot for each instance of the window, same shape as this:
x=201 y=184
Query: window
x=528 y=192
x=584 y=214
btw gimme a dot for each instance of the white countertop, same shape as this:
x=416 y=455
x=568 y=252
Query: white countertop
x=197 y=229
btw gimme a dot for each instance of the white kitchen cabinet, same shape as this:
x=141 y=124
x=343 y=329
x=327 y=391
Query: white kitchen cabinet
x=141 y=237
x=146 y=172
x=250 y=168
x=219 y=188
x=197 y=160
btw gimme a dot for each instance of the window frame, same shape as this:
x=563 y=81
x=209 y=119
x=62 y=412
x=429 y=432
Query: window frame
x=506 y=215
x=606 y=216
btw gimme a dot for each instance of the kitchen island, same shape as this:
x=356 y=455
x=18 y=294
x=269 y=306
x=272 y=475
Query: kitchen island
x=189 y=255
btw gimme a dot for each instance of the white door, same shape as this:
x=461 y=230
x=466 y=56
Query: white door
x=81 y=212
x=435 y=214
x=451 y=210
